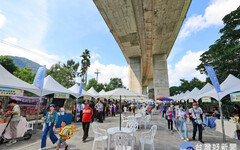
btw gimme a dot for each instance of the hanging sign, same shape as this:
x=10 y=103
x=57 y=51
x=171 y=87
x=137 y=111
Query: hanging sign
x=235 y=97
x=61 y=95
x=11 y=92
x=190 y=100
x=87 y=97
x=206 y=99
x=182 y=101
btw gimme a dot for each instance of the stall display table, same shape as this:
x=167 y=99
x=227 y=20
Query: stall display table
x=66 y=117
x=230 y=127
x=210 y=122
x=114 y=130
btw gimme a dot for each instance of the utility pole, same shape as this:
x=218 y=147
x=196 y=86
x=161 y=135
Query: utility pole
x=97 y=73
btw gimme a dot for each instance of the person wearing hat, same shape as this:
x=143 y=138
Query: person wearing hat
x=51 y=120
x=86 y=119
x=196 y=116
x=14 y=121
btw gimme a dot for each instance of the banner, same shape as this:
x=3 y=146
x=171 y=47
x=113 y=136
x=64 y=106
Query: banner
x=213 y=78
x=206 y=100
x=39 y=78
x=87 y=97
x=61 y=95
x=80 y=90
x=235 y=97
x=190 y=100
x=11 y=92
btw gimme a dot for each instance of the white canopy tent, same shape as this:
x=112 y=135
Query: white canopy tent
x=101 y=92
x=75 y=89
x=51 y=86
x=208 y=87
x=93 y=92
x=120 y=92
x=228 y=86
x=191 y=94
x=8 y=80
x=180 y=96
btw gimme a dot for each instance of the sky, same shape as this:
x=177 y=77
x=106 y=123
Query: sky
x=49 y=31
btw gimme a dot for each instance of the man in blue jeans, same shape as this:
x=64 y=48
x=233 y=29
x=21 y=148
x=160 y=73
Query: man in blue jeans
x=164 y=108
x=51 y=120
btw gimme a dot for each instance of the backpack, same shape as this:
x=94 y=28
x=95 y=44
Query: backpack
x=67 y=132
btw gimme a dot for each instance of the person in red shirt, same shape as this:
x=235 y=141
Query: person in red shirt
x=86 y=119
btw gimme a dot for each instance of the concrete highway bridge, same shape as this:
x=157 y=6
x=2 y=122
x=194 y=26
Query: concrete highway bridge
x=145 y=30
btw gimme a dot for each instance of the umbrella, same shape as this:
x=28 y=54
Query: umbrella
x=164 y=99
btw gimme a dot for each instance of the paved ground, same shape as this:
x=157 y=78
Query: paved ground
x=164 y=140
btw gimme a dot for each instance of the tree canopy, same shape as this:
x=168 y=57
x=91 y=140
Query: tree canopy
x=8 y=63
x=224 y=54
x=65 y=74
x=25 y=74
x=186 y=85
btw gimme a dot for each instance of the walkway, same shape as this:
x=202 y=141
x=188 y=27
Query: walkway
x=164 y=140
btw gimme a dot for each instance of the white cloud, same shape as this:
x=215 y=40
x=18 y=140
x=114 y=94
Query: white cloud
x=185 y=68
x=95 y=55
x=213 y=16
x=33 y=54
x=2 y=20
x=109 y=71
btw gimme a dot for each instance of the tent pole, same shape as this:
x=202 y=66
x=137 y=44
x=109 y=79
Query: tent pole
x=221 y=113
x=120 y=113
x=39 y=105
x=76 y=110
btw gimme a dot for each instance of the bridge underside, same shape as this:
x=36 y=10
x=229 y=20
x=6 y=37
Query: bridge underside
x=145 y=30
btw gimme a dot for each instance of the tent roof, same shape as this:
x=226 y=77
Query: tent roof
x=10 y=81
x=93 y=92
x=208 y=87
x=75 y=89
x=101 y=92
x=228 y=86
x=191 y=94
x=120 y=91
x=51 y=86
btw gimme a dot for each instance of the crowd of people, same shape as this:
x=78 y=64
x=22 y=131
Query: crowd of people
x=178 y=115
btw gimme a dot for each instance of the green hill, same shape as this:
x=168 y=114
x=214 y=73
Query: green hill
x=24 y=62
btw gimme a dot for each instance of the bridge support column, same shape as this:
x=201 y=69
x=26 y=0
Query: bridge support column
x=160 y=77
x=135 y=75
x=150 y=89
x=144 y=90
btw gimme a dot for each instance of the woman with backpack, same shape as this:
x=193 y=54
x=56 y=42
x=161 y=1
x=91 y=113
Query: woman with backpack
x=169 y=116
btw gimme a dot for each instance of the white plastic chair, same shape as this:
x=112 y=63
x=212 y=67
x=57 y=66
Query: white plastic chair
x=124 y=119
x=146 y=120
x=29 y=125
x=123 y=141
x=133 y=125
x=100 y=135
x=148 y=138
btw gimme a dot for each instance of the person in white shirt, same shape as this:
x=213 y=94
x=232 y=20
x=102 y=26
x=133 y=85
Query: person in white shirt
x=196 y=117
x=125 y=110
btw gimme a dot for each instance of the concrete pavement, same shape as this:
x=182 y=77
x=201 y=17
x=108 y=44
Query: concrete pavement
x=164 y=140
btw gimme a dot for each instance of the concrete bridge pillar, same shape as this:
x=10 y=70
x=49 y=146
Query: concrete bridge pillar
x=150 y=89
x=160 y=77
x=144 y=90
x=135 y=75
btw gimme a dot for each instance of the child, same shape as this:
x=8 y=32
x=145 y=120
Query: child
x=61 y=141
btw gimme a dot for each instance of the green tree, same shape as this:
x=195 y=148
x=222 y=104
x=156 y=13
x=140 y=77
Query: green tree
x=8 y=63
x=93 y=83
x=85 y=62
x=186 y=85
x=224 y=54
x=65 y=74
x=25 y=74
x=116 y=83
